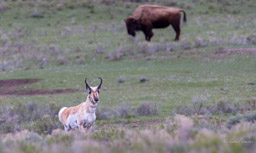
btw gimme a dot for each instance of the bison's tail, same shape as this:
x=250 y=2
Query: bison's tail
x=185 y=16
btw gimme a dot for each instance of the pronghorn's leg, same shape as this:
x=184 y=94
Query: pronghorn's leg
x=89 y=129
x=81 y=127
x=66 y=128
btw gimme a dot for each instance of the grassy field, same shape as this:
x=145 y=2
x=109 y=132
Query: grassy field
x=209 y=76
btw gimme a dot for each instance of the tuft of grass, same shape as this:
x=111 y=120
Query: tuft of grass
x=42 y=117
x=144 y=79
x=126 y=111
x=121 y=79
x=249 y=117
x=252 y=39
x=62 y=60
x=123 y=111
x=104 y=113
x=199 y=106
x=8 y=127
x=46 y=125
x=28 y=148
x=176 y=134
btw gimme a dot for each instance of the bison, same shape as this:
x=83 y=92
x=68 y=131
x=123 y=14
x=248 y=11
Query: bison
x=148 y=17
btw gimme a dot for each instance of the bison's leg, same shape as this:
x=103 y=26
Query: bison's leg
x=176 y=27
x=148 y=33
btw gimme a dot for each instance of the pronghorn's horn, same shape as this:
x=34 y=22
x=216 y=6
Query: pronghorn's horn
x=86 y=85
x=100 y=83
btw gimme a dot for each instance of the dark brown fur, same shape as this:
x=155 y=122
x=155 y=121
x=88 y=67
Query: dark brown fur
x=148 y=17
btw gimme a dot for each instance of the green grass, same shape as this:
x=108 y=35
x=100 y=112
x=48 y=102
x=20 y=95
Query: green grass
x=89 y=40
x=172 y=82
x=78 y=32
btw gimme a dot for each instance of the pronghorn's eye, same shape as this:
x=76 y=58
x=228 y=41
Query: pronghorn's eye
x=90 y=92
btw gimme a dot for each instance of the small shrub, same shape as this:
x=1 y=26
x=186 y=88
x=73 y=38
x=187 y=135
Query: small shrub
x=114 y=56
x=121 y=79
x=33 y=137
x=184 y=110
x=61 y=138
x=201 y=43
x=80 y=60
x=54 y=50
x=222 y=107
x=195 y=108
x=28 y=148
x=118 y=54
x=252 y=39
x=8 y=127
x=43 y=62
x=123 y=110
x=62 y=60
x=34 y=111
x=60 y=6
x=198 y=103
x=146 y=48
x=238 y=40
x=46 y=125
x=170 y=47
x=36 y=14
x=178 y=148
x=143 y=79
x=186 y=45
x=3 y=6
x=211 y=7
x=66 y=32
x=13 y=117
x=225 y=107
x=100 y=50
x=104 y=113
x=143 y=48
x=234 y=120
x=250 y=117
x=146 y=109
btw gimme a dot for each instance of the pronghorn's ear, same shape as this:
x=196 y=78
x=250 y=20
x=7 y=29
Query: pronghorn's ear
x=99 y=86
x=87 y=87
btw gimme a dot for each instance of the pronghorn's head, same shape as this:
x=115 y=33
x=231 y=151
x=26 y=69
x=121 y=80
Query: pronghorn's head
x=93 y=91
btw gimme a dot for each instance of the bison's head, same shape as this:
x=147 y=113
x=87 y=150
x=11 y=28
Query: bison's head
x=131 y=25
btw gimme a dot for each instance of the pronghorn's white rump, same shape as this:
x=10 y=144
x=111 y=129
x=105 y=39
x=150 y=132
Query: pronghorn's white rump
x=83 y=115
x=60 y=112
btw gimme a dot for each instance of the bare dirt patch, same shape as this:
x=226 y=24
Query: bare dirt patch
x=38 y=92
x=17 y=82
x=7 y=87
x=230 y=51
x=217 y=53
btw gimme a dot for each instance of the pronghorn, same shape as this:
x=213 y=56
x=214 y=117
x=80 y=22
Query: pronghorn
x=83 y=115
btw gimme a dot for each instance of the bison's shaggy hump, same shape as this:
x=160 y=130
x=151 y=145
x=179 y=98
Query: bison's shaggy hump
x=148 y=17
